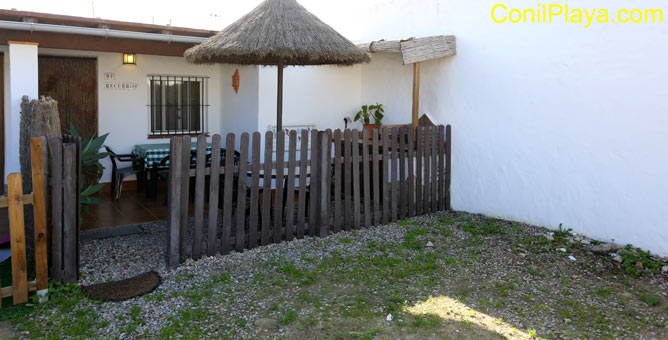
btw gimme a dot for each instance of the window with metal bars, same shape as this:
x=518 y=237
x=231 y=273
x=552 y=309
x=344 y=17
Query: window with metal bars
x=177 y=105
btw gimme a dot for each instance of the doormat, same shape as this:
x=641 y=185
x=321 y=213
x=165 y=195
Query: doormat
x=124 y=289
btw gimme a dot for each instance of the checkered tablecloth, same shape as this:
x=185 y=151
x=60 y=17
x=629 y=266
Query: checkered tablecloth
x=154 y=153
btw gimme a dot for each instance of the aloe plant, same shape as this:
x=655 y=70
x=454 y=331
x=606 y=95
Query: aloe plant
x=91 y=168
x=370 y=111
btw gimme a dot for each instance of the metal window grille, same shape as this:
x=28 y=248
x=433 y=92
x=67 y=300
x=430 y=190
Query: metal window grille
x=177 y=104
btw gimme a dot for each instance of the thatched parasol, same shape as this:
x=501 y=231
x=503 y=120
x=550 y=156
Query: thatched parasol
x=281 y=33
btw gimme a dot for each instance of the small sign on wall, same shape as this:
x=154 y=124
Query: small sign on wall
x=109 y=75
x=121 y=86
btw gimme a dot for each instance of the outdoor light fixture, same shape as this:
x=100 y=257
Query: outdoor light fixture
x=129 y=59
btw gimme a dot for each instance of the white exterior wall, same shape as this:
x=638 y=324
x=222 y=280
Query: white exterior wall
x=552 y=123
x=122 y=113
x=21 y=80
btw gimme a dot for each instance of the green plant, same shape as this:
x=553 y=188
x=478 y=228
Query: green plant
x=633 y=256
x=370 y=111
x=650 y=300
x=91 y=168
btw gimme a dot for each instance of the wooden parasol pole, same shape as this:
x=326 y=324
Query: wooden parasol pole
x=279 y=99
x=416 y=93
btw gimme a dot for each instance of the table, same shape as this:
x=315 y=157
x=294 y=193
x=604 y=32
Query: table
x=154 y=153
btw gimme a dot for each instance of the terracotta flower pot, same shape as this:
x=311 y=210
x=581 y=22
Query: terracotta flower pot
x=370 y=127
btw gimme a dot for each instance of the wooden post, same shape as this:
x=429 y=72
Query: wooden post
x=416 y=93
x=199 y=196
x=39 y=211
x=174 y=217
x=70 y=217
x=279 y=99
x=214 y=187
x=241 y=193
x=18 y=242
x=57 y=208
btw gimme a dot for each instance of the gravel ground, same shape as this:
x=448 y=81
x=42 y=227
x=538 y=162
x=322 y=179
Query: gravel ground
x=440 y=276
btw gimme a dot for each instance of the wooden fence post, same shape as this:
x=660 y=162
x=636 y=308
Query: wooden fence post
x=214 y=187
x=18 y=243
x=57 y=208
x=255 y=192
x=241 y=193
x=199 y=196
x=39 y=211
x=227 y=193
x=448 y=165
x=325 y=139
x=174 y=219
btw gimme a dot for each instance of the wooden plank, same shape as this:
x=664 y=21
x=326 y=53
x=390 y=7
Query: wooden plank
x=290 y=194
x=227 y=193
x=77 y=207
x=403 y=192
x=441 y=167
x=214 y=188
x=375 y=178
x=303 y=164
x=314 y=187
x=185 y=194
x=266 y=190
x=366 y=180
x=434 y=169
x=174 y=219
x=387 y=144
x=241 y=193
x=17 y=238
x=254 y=192
x=347 y=180
x=427 y=170
x=278 y=199
x=410 y=176
x=200 y=178
x=338 y=214
x=357 y=219
x=56 y=208
x=9 y=290
x=394 y=173
x=39 y=211
x=69 y=213
x=448 y=164
x=324 y=139
x=419 y=201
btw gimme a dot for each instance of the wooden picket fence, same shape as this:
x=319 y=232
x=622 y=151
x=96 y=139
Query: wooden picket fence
x=15 y=201
x=335 y=181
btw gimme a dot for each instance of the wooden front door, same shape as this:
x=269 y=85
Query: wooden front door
x=73 y=83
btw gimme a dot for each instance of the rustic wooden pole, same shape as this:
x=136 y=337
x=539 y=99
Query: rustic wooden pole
x=416 y=93
x=39 y=210
x=279 y=99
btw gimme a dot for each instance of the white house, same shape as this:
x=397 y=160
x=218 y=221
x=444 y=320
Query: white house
x=553 y=123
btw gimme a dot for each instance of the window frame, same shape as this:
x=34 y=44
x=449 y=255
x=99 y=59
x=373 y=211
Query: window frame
x=177 y=82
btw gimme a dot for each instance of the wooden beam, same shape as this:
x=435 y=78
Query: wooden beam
x=416 y=93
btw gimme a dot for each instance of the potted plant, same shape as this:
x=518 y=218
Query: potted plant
x=370 y=111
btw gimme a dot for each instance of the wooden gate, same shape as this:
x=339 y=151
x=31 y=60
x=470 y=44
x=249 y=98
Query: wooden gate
x=15 y=201
x=327 y=183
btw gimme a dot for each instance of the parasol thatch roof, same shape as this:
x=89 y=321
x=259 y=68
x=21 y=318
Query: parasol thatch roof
x=277 y=32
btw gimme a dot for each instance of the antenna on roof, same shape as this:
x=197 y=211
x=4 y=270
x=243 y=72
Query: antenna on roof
x=92 y=4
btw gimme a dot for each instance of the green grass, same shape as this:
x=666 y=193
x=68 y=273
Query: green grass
x=650 y=300
x=289 y=317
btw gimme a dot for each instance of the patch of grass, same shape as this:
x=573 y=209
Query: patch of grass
x=650 y=300
x=346 y=240
x=488 y=227
x=411 y=241
x=289 y=317
x=631 y=256
x=426 y=321
x=408 y=222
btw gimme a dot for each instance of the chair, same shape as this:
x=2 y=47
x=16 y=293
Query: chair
x=119 y=174
x=160 y=171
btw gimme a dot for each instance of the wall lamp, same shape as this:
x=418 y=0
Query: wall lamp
x=129 y=59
